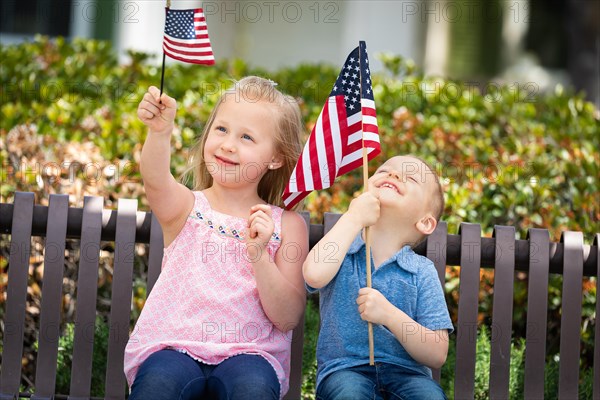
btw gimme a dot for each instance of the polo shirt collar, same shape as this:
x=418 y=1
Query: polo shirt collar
x=356 y=245
x=404 y=258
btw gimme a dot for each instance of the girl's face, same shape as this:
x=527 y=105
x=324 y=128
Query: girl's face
x=240 y=147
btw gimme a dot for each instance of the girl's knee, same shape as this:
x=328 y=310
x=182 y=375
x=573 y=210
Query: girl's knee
x=245 y=377
x=248 y=387
x=167 y=374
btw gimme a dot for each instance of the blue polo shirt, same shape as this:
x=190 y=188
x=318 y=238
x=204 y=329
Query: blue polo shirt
x=409 y=281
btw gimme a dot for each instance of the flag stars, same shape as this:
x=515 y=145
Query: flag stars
x=354 y=82
x=180 y=24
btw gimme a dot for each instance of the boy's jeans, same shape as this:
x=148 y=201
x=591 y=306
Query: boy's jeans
x=171 y=375
x=378 y=382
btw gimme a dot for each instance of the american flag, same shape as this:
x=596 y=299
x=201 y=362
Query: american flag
x=335 y=145
x=186 y=37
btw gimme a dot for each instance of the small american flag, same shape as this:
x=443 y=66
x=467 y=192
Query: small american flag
x=336 y=141
x=186 y=37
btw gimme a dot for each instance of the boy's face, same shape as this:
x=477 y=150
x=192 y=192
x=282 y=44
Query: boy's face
x=406 y=185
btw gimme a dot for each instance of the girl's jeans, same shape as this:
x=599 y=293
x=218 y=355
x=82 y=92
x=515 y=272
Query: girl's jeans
x=171 y=375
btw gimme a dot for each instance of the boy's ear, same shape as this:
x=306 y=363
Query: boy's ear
x=427 y=224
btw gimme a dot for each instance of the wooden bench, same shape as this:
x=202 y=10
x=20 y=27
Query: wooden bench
x=126 y=226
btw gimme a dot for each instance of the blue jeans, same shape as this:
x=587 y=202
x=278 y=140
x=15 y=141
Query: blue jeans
x=378 y=382
x=171 y=375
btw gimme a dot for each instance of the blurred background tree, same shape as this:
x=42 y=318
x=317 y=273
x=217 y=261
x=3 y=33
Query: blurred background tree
x=540 y=41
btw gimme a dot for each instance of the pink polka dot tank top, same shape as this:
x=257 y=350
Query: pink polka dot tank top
x=205 y=302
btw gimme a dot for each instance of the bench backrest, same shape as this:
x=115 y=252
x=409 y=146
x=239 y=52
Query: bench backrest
x=126 y=227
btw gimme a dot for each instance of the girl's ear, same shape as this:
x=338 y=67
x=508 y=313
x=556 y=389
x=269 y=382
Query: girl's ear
x=427 y=224
x=275 y=163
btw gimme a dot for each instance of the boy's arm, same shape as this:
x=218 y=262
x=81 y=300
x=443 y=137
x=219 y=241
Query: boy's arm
x=427 y=347
x=324 y=260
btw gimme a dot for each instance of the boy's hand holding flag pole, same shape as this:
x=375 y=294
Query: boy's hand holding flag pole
x=346 y=132
x=186 y=38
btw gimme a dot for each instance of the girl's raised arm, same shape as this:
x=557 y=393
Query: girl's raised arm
x=170 y=201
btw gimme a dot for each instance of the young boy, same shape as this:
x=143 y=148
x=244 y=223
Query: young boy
x=406 y=303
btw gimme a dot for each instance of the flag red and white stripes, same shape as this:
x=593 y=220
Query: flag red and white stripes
x=347 y=122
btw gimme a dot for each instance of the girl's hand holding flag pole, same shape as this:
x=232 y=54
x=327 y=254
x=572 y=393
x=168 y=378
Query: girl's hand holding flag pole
x=346 y=132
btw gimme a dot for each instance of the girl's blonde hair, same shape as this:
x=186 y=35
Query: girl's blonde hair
x=288 y=138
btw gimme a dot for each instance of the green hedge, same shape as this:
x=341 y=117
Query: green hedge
x=512 y=156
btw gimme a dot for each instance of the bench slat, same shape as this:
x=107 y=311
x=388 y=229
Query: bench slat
x=121 y=298
x=155 y=254
x=436 y=251
x=54 y=263
x=537 y=313
x=87 y=288
x=470 y=259
x=504 y=276
x=329 y=220
x=596 y=390
x=315 y=234
x=16 y=294
x=570 y=321
x=297 y=348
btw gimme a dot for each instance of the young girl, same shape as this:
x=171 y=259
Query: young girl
x=218 y=322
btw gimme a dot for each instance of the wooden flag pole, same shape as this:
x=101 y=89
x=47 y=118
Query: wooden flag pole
x=367 y=230
x=162 y=75
x=162 y=71
x=368 y=253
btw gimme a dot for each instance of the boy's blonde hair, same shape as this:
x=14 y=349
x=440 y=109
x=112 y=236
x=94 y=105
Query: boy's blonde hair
x=288 y=138
x=437 y=202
